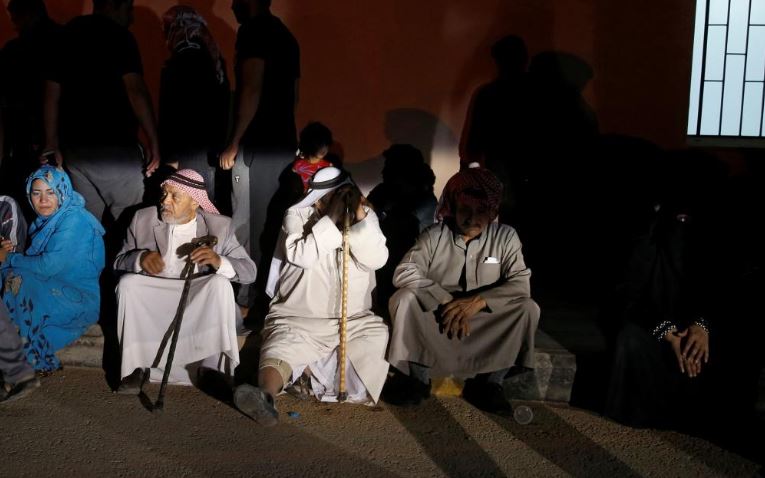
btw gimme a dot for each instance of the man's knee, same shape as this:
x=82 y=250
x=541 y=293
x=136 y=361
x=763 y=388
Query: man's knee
x=532 y=311
x=220 y=282
x=282 y=368
x=402 y=300
x=526 y=310
x=129 y=284
x=373 y=331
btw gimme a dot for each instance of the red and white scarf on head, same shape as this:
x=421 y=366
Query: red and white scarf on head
x=192 y=183
x=469 y=185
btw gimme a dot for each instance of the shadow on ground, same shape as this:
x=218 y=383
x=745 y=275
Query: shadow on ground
x=444 y=440
x=566 y=447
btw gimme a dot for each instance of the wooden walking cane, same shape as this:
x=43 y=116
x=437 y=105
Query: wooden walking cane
x=342 y=394
x=175 y=325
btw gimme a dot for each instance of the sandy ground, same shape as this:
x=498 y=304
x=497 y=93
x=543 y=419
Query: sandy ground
x=75 y=426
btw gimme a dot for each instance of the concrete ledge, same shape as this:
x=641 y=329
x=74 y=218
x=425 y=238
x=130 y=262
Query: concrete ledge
x=81 y=356
x=87 y=351
x=551 y=380
x=553 y=376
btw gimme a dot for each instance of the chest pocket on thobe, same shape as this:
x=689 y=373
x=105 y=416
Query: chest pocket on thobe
x=488 y=272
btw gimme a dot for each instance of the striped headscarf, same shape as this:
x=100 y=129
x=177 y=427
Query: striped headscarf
x=475 y=185
x=186 y=28
x=192 y=183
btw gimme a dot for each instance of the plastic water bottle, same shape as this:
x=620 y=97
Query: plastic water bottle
x=523 y=415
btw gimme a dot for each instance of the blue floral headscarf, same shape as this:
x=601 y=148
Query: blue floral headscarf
x=69 y=201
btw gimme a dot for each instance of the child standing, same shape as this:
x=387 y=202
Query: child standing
x=315 y=140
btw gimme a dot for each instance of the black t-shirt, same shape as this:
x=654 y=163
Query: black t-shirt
x=193 y=105
x=266 y=37
x=23 y=64
x=95 y=53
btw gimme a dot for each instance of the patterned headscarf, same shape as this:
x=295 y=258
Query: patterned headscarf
x=323 y=182
x=69 y=201
x=185 y=28
x=192 y=183
x=475 y=185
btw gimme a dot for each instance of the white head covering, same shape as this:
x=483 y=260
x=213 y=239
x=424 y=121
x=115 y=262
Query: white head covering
x=322 y=183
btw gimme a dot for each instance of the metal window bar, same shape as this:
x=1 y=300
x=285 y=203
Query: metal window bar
x=704 y=70
x=743 y=78
x=724 y=72
x=745 y=81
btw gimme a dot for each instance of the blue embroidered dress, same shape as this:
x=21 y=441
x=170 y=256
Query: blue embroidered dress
x=52 y=290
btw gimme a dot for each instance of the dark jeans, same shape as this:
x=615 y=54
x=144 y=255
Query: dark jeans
x=254 y=215
x=110 y=178
x=13 y=363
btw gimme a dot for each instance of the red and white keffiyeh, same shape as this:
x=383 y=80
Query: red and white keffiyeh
x=192 y=183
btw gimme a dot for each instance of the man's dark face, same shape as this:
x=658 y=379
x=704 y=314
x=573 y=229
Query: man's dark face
x=241 y=9
x=471 y=220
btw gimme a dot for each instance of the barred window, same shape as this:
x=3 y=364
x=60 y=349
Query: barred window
x=728 y=71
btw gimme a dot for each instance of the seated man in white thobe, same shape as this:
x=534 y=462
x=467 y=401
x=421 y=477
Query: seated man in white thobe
x=301 y=332
x=148 y=295
x=463 y=307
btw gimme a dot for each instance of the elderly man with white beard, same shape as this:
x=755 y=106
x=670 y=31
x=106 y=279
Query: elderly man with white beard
x=149 y=293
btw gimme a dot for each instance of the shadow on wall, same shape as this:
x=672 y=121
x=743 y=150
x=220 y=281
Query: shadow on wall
x=147 y=29
x=62 y=11
x=643 y=57
x=531 y=127
x=537 y=34
x=415 y=127
x=6 y=27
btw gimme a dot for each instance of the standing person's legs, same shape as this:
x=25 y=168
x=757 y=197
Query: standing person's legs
x=265 y=170
x=119 y=177
x=13 y=226
x=264 y=182
x=109 y=178
x=253 y=187
x=78 y=173
x=13 y=364
x=240 y=216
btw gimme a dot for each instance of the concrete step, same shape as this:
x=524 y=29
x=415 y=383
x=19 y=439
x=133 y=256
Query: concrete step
x=81 y=356
x=86 y=351
x=551 y=380
x=553 y=375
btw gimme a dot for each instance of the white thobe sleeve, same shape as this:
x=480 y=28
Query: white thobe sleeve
x=367 y=243
x=226 y=269
x=303 y=250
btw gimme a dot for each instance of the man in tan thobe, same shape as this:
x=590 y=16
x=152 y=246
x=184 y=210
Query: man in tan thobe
x=463 y=307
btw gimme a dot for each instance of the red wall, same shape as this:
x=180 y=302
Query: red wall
x=404 y=70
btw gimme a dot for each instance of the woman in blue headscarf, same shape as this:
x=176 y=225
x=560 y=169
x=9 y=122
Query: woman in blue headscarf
x=51 y=289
